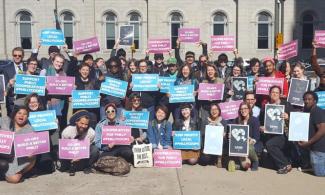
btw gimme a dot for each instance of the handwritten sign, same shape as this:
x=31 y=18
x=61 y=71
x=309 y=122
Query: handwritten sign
x=51 y=37
x=288 y=50
x=229 y=110
x=209 y=91
x=145 y=82
x=320 y=38
x=114 y=87
x=221 y=43
x=43 y=120
x=27 y=84
x=159 y=45
x=187 y=140
x=136 y=119
x=86 y=45
x=189 y=35
x=118 y=135
x=142 y=155
x=85 y=99
x=60 y=85
x=167 y=158
x=30 y=144
x=73 y=149
x=265 y=83
x=6 y=140
x=181 y=93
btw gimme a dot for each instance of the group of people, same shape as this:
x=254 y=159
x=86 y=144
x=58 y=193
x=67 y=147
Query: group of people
x=164 y=117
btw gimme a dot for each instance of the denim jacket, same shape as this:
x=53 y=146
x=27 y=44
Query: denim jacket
x=98 y=134
x=163 y=135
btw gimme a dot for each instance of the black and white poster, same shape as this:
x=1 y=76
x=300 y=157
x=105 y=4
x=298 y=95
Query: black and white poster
x=2 y=89
x=126 y=35
x=238 y=143
x=239 y=87
x=296 y=91
x=273 y=122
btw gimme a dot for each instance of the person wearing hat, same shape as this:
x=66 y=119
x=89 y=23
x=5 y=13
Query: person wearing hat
x=79 y=129
x=158 y=65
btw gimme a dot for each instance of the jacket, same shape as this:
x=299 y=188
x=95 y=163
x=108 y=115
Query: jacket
x=162 y=136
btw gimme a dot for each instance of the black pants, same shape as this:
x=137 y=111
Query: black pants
x=120 y=151
x=276 y=146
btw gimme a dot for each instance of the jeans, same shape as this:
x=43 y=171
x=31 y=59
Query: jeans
x=276 y=146
x=317 y=160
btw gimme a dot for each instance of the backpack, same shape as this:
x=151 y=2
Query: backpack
x=112 y=165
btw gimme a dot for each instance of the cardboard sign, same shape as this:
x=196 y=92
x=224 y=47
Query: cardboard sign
x=159 y=45
x=167 y=158
x=181 y=93
x=136 y=119
x=30 y=144
x=51 y=37
x=288 y=50
x=73 y=149
x=145 y=82
x=213 y=140
x=6 y=140
x=27 y=84
x=126 y=35
x=187 y=140
x=299 y=126
x=229 y=110
x=85 y=99
x=118 y=135
x=60 y=85
x=86 y=45
x=296 y=91
x=238 y=142
x=166 y=83
x=189 y=35
x=142 y=154
x=265 y=83
x=239 y=87
x=43 y=120
x=2 y=89
x=209 y=91
x=321 y=99
x=221 y=43
x=114 y=87
x=273 y=122
x=320 y=38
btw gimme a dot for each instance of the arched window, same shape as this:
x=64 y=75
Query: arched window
x=219 y=24
x=25 y=29
x=307 y=30
x=135 y=19
x=176 y=21
x=68 y=22
x=264 y=22
x=110 y=30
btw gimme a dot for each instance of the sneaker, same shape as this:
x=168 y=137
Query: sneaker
x=254 y=166
x=231 y=166
x=284 y=170
x=88 y=171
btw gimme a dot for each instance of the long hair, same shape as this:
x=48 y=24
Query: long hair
x=240 y=117
x=29 y=97
x=13 y=115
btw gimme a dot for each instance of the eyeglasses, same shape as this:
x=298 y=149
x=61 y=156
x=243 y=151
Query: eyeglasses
x=35 y=64
x=110 y=111
x=17 y=55
x=242 y=109
x=136 y=100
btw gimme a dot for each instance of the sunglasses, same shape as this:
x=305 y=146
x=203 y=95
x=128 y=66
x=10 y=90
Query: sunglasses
x=110 y=111
x=18 y=56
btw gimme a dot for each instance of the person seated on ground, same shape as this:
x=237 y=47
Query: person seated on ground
x=79 y=129
x=160 y=130
x=187 y=123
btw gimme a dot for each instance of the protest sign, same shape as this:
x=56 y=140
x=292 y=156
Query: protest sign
x=250 y=83
x=73 y=149
x=126 y=35
x=51 y=37
x=229 y=110
x=117 y=135
x=299 y=126
x=187 y=140
x=85 y=99
x=238 y=142
x=321 y=99
x=296 y=91
x=273 y=122
x=167 y=158
x=136 y=119
x=159 y=45
x=166 y=83
x=145 y=82
x=189 y=35
x=209 y=91
x=60 y=85
x=288 y=50
x=320 y=38
x=142 y=155
x=239 y=87
x=213 y=140
x=221 y=43
x=43 y=120
x=181 y=93
x=114 y=87
x=265 y=83
x=86 y=45
x=30 y=144
x=27 y=84
x=2 y=89
x=6 y=140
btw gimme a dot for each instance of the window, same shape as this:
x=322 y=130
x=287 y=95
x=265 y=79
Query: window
x=67 y=20
x=307 y=31
x=135 y=21
x=25 y=29
x=219 y=24
x=263 y=31
x=110 y=23
x=176 y=21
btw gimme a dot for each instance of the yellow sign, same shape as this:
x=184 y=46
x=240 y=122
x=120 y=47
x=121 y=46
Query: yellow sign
x=279 y=40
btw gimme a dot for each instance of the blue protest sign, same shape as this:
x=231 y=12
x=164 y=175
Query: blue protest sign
x=85 y=99
x=165 y=83
x=43 y=120
x=136 y=119
x=114 y=87
x=181 y=93
x=52 y=37
x=321 y=99
x=27 y=84
x=145 y=82
x=250 y=83
x=187 y=140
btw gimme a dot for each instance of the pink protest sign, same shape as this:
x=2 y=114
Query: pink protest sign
x=209 y=91
x=118 y=135
x=229 y=110
x=73 y=149
x=32 y=143
x=86 y=46
x=159 y=45
x=222 y=43
x=320 y=38
x=189 y=35
x=167 y=158
x=264 y=83
x=59 y=85
x=288 y=50
x=6 y=140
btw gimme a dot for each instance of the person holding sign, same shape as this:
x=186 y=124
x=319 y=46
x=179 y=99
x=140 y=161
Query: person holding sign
x=299 y=73
x=277 y=143
x=237 y=71
x=79 y=129
x=187 y=123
